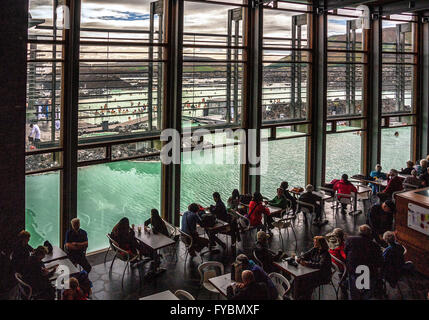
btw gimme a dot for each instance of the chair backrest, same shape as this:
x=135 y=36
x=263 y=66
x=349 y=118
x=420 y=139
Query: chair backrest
x=24 y=288
x=408 y=186
x=282 y=284
x=405 y=250
x=257 y=259
x=123 y=255
x=188 y=237
x=244 y=221
x=172 y=230
x=344 y=198
x=184 y=294
x=207 y=270
x=336 y=267
x=305 y=206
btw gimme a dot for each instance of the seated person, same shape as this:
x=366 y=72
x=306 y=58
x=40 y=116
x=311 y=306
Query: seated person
x=344 y=186
x=394 y=184
x=377 y=174
x=422 y=168
x=362 y=250
x=37 y=276
x=393 y=259
x=76 y=244
x=318 y=258
x=249 y=289
x=409 y=168
x=126 y=239
x=260 y=275
x=22 y=251
x=158 y=225
x=424 y=178
x=380 y=219
x=219 y=210
x=74 y=292
x=234 y=201
x=285 y=185
x=413 y=180
x=335 y=241
x=256 y=210
x=309 y=197
x=279 y=201
x=190 y=219
x=265 y=255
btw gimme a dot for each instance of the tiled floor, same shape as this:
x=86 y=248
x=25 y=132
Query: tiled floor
x=107 y=281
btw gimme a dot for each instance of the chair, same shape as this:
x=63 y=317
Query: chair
x=285 y=223
x=342 y=198
x=259 y=262
x=184 y=294
x=207 y=270
x=282 y=284
x=25 y=291
x=342 y=274
x=408 y=186
x=188 y=245
x=121 y=254
x=304 y=207
x=395 y=193
x=175 y=235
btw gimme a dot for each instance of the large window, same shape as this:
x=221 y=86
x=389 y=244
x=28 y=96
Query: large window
x=42 y=208
x=343 y=154
x=395 y=147
x=285 y=62
x=285 y=161
x=111 y=191
x=215 y=167
x=212 y=64
x=121 y=63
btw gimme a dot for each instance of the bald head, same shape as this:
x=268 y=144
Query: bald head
x=365 y=230
x=247 y=277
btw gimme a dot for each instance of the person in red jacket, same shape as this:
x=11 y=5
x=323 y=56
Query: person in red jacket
x=256 y=210
x=344 y=186
x=394 y=184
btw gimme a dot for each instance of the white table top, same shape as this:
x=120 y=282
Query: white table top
x=154 y=241
x=57 y=253
x=222 y=282
x=65 y=267
x=299 y=271
x=164 y=295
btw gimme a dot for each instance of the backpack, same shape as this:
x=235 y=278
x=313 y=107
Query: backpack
x=208 y=220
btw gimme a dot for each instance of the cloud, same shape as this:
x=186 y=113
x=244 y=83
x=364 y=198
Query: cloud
x=126 y=16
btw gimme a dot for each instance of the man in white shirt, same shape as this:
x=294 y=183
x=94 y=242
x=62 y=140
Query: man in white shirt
x=35 y=130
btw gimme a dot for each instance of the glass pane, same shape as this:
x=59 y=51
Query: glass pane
x=42 y=161
x=343 y=154
x=344 y=95
x=395 y=147
x=121 y=71
x=205 y=172
x=42 y=208
x=283 y=166
x=338 y=38
x=109 y=192
x=397 y=88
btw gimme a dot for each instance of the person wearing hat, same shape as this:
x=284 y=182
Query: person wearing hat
x=380 y=219
x=264 y=254
x=259 y=274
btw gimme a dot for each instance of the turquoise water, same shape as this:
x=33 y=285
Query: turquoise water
x=108 y=192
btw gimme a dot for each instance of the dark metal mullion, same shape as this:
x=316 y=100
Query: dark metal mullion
x=70 y=97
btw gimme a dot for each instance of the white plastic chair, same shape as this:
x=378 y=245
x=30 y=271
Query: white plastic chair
x=188 y=244
x=24 y=289
x=285 y=223
x=207 y=270
x=282 y=284
x=308 y=210
x=174 y=233
x=184 y=294
x=341 y=274
x=259 y=262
